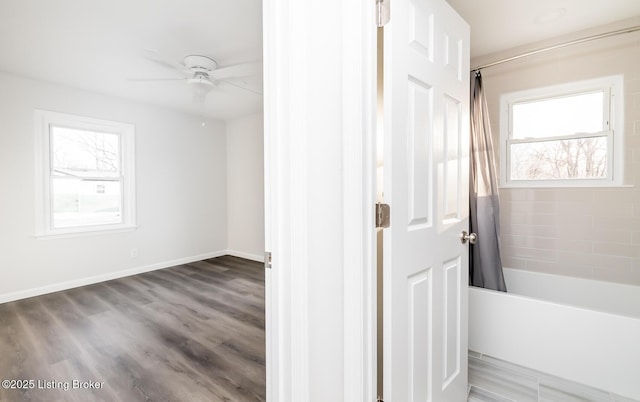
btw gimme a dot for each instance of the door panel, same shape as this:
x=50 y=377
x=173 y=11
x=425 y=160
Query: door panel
x=426 y=115
x=452 y=159
x=452 y=316
x=420 y=329
x=420 y=122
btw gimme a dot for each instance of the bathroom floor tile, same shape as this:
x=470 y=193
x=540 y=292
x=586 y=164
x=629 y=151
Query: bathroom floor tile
x=514 y=367
x=502 y=381
x=493 y=379
x=559 y=389
x=565 y=391
x=619 y=398
x=480 y=395
x=475 y=354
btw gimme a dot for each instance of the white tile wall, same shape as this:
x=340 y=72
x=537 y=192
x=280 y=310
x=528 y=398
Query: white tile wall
x=588 y=233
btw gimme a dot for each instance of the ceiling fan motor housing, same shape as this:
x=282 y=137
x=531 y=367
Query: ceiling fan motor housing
x=197 y=63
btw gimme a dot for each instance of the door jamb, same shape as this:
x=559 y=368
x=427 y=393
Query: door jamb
x=359 y=69
x=288 y=341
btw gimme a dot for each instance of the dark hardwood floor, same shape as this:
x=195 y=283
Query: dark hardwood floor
x=193 y=332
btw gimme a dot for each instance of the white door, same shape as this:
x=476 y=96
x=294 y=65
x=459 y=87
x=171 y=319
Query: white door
x=426 y=113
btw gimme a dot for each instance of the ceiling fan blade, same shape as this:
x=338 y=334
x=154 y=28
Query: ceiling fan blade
x=155 y=79
x=153 y=56
x=237 y=70
x=244 y=87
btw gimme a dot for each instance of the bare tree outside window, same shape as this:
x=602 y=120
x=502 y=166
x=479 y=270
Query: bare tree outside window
x=85 y=177
x=85 y=152
x=580 y=158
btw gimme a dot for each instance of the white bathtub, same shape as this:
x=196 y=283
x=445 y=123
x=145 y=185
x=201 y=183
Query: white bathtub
x=582 y=330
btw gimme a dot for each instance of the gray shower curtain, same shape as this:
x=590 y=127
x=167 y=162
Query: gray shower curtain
x=485 y=265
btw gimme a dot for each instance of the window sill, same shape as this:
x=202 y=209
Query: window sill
x=83 y=232
x=563 y=186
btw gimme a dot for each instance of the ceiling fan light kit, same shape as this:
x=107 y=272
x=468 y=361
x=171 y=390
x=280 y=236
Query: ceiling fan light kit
x=201 y=79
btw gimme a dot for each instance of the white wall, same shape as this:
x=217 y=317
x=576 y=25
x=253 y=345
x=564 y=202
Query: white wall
x=181 y=192
x=245 y=187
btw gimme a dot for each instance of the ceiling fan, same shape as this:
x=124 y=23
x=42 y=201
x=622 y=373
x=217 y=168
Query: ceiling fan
x=203 y=74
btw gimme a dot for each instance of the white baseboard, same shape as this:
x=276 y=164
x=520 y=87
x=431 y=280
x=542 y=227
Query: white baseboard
x=23 y=294
x=248 y=256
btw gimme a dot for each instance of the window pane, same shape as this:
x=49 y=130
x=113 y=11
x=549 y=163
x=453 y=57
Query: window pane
x=79 y=202
x=84 y=153
x=582 y=113
x=580 y=158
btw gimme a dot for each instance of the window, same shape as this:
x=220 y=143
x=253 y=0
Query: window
x=563 y=136
x=85 y=177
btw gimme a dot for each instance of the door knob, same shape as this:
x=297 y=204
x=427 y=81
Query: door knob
x=471 y=237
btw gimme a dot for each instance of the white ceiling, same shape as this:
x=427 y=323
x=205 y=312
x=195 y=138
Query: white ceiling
x=498 y=25
x=99 y=45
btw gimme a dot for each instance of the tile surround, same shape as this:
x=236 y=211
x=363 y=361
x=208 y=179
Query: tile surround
x=589 y=233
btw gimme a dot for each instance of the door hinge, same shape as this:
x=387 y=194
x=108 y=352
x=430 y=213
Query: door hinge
x=380 y=399
x=383 y=215
x=267 y=259
x=382 y=13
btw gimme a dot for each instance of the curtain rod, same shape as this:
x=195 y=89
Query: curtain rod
x=558 y=46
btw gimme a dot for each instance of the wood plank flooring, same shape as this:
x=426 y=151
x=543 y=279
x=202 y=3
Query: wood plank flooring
x=193 y=332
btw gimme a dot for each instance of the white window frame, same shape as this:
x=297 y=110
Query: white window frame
x=613 y=87
x=44 y=120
